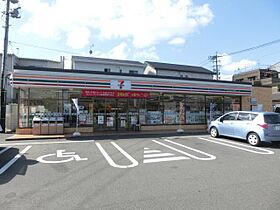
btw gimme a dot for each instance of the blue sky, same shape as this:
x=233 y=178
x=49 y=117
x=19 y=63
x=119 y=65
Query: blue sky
x=172 y=31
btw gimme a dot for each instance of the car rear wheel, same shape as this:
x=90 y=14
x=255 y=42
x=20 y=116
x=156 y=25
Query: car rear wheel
x=253 y=139
x=214 y=132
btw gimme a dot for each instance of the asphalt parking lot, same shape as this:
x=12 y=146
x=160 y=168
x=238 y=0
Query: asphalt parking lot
x=176 y=172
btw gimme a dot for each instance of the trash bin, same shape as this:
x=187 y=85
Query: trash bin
x=59 y=125
x=36 y=128
x=52 y=125
x=45 y=126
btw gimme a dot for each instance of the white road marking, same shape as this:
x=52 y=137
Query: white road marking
x=210 y=157
x=4 y=150
x=111 y=162
x=42 y=143
x=61 y=154
x=232 y=144
x=151 y=151
x=12 y=161
x=154 y=156
x=154 y=160
x=158 y=155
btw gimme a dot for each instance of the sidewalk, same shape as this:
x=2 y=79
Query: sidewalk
x=105 y=135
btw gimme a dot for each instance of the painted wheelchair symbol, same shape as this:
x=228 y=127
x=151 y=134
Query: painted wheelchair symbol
x=66 y=157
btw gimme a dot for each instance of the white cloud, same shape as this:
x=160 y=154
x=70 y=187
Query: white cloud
x=144 y=22
x=78 y=37
x=229 y=67
x=177 y=41
x=120 y=51
x=146 y=54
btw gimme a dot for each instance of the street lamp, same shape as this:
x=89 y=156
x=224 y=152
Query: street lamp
x=14 y=13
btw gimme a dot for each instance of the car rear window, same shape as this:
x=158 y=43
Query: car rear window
x=272 y=119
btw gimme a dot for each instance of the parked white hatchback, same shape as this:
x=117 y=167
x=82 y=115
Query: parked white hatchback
x=255 y=127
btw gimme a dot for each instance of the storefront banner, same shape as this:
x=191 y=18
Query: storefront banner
x=120 y=84
x=114 y=94
x=75 y=101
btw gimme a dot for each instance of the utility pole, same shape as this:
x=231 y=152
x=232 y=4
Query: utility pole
x=216 y=66
x=14 y=14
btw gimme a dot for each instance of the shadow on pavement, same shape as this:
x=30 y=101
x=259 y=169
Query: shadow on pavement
x=17 y=168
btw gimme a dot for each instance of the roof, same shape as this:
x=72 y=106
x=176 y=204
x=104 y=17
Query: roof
x=106 y=60
x=59 y=70
x=177 y=67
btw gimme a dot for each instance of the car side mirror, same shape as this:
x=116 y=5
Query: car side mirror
x=222 y=120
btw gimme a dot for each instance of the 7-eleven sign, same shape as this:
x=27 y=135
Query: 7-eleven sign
x=121 y=84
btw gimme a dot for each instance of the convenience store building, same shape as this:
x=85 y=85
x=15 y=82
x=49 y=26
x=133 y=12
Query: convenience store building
x=119 y=101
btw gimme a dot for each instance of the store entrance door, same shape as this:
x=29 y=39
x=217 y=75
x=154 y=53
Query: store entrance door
x=115 y=115
x=121 y=115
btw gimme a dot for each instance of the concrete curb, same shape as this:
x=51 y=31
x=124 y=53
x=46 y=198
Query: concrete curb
x=100 y=136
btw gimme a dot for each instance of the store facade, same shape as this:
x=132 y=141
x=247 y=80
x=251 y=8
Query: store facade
x=122 y=102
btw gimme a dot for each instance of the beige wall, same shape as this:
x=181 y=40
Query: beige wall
x=263 y=96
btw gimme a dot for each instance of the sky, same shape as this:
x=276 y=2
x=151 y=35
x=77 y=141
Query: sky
x=171 y=31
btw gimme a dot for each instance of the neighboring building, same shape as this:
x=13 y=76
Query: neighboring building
x=263 y=77
x=11 y=94
x=167 y=69
x=107 y=65
x=13 y=60
x=257 y=76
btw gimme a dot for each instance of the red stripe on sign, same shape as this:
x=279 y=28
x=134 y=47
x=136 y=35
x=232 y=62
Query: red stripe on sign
x=114 y=94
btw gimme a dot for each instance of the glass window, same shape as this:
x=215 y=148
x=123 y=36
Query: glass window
x=244 y=116
x=232 y=103
x=23 y=93
x=174 y=108
x=23 y=114
x=214 y=107
x=272 y=119
x=195 y=109
x=154 y=109
x=253 y=116
x=230 y=116
x=86 y=111
x=45 y=93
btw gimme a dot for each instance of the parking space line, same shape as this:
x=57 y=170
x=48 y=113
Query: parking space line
x=4 y=150
x=151 y=151
x=154 y=160
x=210 y=157
x=232 y=144
x=158 y=155
x=12 y=161
x=111 y=162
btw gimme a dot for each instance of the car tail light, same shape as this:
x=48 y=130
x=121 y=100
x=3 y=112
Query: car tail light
x=265 y=126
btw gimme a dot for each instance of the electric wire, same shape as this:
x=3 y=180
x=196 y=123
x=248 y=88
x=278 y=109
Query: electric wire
x=45 y=48
x=255 y=47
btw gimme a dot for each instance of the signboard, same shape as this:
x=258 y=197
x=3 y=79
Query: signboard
x=120 y=84
x=114 y=94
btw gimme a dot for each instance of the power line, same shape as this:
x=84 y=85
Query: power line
x=255 y=47
x=242 y=51
x=45 y=48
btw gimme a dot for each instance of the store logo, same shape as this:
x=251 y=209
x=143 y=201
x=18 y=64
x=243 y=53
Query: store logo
x=121 y=84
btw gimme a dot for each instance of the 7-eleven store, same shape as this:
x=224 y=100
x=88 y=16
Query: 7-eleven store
x=121 y=102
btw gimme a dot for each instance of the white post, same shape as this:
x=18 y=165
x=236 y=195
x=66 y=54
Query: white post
x=76 y=133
